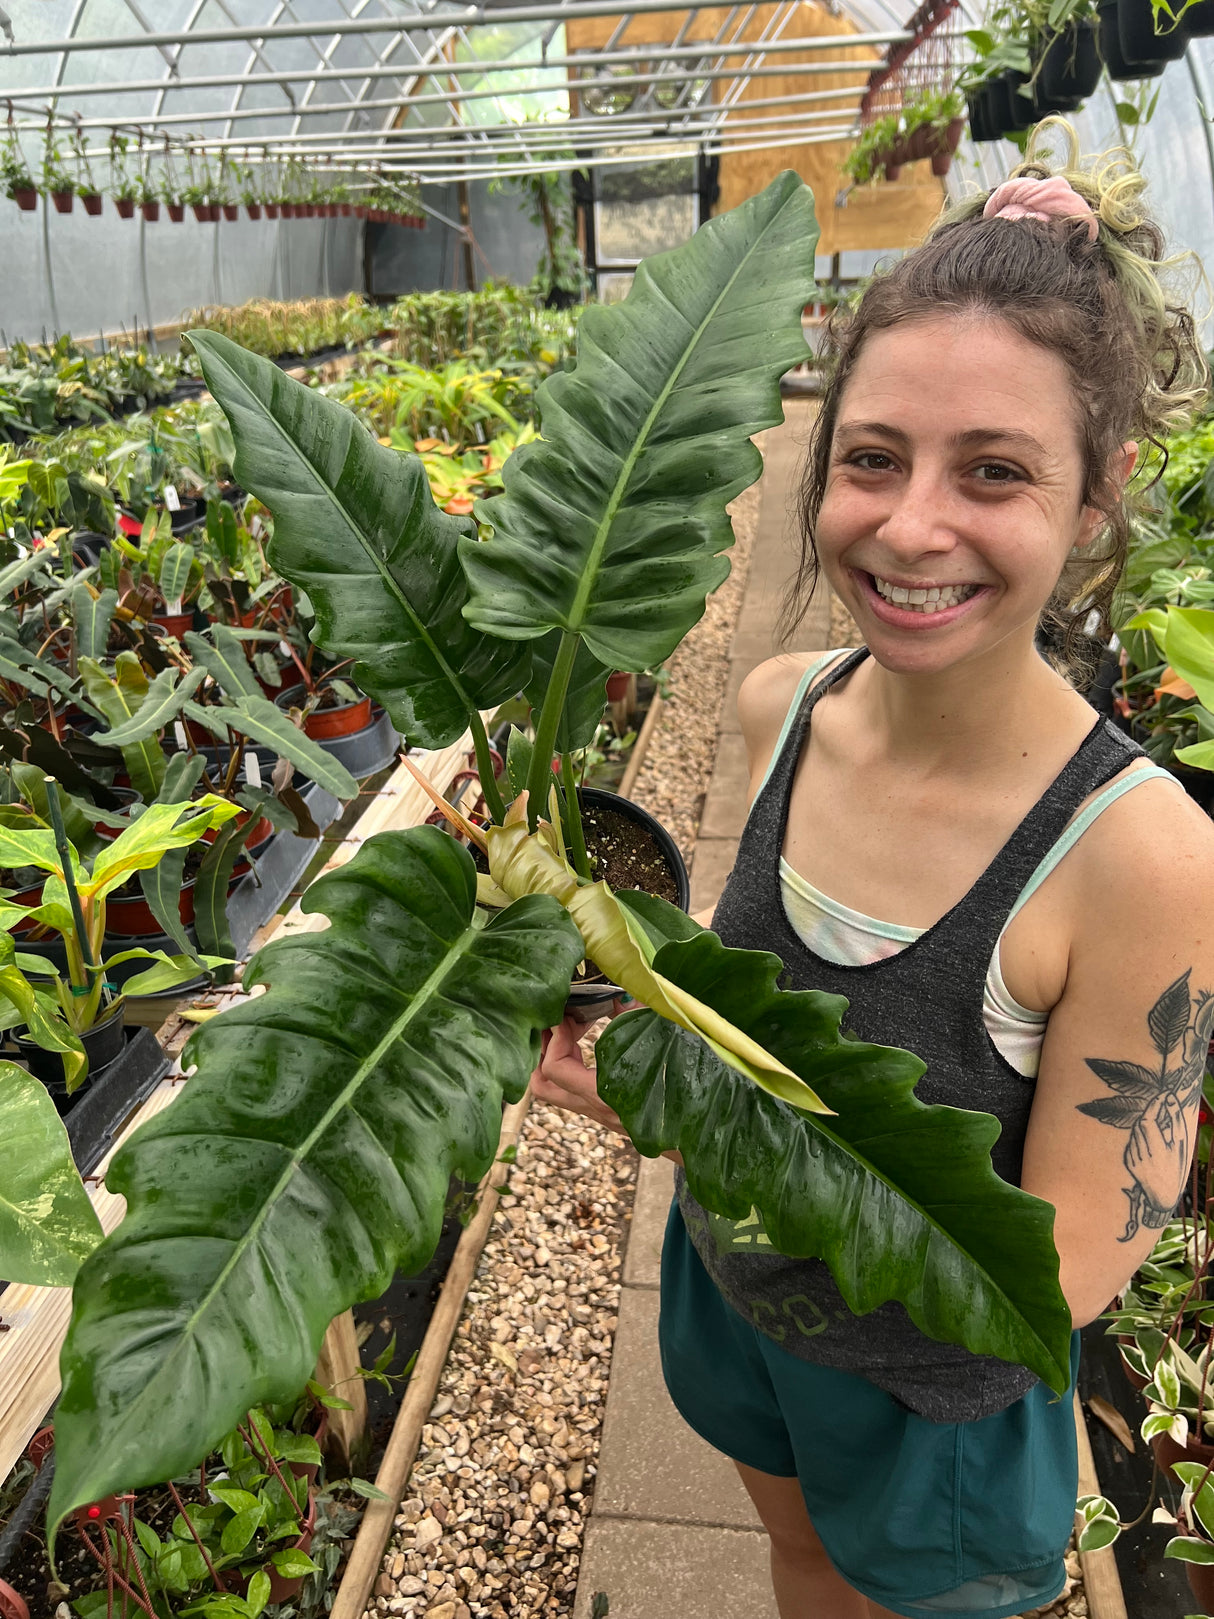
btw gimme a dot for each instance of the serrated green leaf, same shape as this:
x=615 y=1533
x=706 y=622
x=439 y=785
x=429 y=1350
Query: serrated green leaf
x=613 y=524
x=899 y=1198
x=323 y=1125
x=47 y=1222
x=356 y=527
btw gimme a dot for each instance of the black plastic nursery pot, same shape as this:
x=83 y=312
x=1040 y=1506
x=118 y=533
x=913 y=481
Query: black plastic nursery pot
x=1119 y=67
x=1139 y=41
x=602 y=814
x=1199 y=20
x=103 y=1044
x=1071 y=64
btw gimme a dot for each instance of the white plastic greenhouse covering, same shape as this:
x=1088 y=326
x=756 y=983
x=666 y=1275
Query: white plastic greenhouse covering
x=405 y=88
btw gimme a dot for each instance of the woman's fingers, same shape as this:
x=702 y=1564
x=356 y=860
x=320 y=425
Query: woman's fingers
x=564 y=1079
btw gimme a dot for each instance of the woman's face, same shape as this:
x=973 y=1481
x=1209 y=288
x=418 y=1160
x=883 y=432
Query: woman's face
x=954 y=492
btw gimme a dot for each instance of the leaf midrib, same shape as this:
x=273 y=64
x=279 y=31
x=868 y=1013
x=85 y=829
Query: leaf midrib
x=356 y=528
x=424 y=995
x=598 y=545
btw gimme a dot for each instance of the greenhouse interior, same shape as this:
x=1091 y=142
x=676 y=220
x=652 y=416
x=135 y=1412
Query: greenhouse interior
x=500 y=502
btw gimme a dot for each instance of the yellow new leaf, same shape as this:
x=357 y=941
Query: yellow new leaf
x=522 y=863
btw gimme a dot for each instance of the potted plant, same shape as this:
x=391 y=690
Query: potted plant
x=58 y=182
x=1112 y=54
x=125 y=186
x=18 y=180
x=1143 y=41
x=1070 y=65
x=74 y=1013
x=437 y=1011
x=90 y=196
x=325 y=705
x=149 y=194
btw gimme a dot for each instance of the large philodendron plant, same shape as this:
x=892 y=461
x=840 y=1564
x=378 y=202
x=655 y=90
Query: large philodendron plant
x=309 y=1155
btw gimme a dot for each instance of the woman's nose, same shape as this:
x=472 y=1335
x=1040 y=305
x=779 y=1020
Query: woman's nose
x=920 y=518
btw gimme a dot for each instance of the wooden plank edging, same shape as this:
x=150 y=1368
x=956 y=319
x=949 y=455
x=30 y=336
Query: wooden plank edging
x=1101 y=1581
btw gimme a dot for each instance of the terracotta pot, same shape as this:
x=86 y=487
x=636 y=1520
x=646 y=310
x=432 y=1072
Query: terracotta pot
x=893 y=171
x=26 y=198
x=617 y=686
x=919 y=143
x=326 y=723
x=125 y=207
x=92 y=201
x=346 y=210
x=12 y=1605
x=941 y=163
x=63 y=201
x=176 y=212
x=202 y=212
x=1201 y=1581
x=309 y=210
x=253 y=209
x=129 y=916
x=271 y=210
x=213 y=212
x=150 y=211
x=360 y=209
x=231 y=210
x=1167 y=1451
x=175 y=624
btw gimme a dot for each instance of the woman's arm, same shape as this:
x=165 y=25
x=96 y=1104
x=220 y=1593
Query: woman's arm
x=1114 y=1119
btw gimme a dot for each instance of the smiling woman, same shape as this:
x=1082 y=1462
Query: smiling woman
x=943 y=833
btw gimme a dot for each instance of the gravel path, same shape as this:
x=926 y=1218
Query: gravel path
x=674 y=775
x=493 y=1519
x=496 y=1505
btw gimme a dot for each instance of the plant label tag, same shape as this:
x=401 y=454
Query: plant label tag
x=171 y=498
x=179 y=734
x=252 y=769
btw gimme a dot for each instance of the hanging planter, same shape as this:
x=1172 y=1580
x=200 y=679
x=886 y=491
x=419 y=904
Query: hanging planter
x=231 y=210
x=253 y=209
x=176 y=212
x=272 y=210
x=92 y=201
x=346 y=210
x=63 y=201
x=125 y=207
x=1139 y=41
x=26 y=198
x=1199 y=23
x=1071 y=64
x=150 y=211
x=1118 y=66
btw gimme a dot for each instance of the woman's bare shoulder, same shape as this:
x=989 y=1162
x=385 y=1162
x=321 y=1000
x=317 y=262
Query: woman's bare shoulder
x=765 y=697
x=767 y=691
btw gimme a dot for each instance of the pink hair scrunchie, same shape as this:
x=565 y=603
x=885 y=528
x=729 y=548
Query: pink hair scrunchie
x=1040 y=199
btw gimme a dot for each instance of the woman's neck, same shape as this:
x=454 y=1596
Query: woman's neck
x=968 y=717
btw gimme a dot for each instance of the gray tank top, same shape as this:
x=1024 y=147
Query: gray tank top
x=928 y=998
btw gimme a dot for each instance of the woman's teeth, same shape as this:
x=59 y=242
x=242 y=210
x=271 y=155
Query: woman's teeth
x=930 y=600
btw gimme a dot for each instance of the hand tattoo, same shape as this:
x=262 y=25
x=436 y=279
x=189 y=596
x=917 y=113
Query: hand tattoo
x=1152 y=1105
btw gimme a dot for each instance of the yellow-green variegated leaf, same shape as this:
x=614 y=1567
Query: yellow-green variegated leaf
x=47 y=1223
x=520 y=864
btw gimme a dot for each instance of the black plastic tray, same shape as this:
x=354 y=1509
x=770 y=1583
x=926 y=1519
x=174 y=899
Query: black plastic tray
x=256 y=897
x=366 y=752
x=113 y=1096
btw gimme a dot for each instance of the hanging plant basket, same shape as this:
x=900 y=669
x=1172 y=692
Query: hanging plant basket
x=63 y=201
x=176 y=212
x=346 y=210
x=253 y=209
x=271 y=210
x=1139 y=41
x=231 y=210
x=1119 y=67
x=125 y=207
x=150 y=211
x=1071 y=64
x=92 y=201
x=26 y=198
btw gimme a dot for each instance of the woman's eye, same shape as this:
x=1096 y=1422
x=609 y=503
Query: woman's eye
x=868 y=460
x=995 y=472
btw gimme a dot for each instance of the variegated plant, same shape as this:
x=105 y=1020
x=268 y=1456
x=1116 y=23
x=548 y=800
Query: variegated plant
x=309 y=1156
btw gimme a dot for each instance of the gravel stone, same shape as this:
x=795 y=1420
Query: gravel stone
x=493 y=1522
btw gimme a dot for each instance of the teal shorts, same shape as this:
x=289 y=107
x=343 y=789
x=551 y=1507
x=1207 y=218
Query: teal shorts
x=934 y=1520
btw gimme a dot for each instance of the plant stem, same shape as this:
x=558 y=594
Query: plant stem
x=484 y=768
x=64 y=851
x=546 y=728
x=573 y=814
x=189 y=1523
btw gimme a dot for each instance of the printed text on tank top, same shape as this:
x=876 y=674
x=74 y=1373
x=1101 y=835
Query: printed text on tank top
x=1030 y=966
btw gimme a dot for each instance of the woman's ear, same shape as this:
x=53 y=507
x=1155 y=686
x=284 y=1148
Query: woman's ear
x=1121 y=470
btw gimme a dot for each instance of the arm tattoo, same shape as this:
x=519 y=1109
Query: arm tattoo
x=1151 y=1103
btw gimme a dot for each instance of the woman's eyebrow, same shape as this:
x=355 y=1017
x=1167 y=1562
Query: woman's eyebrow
x=971 y=438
